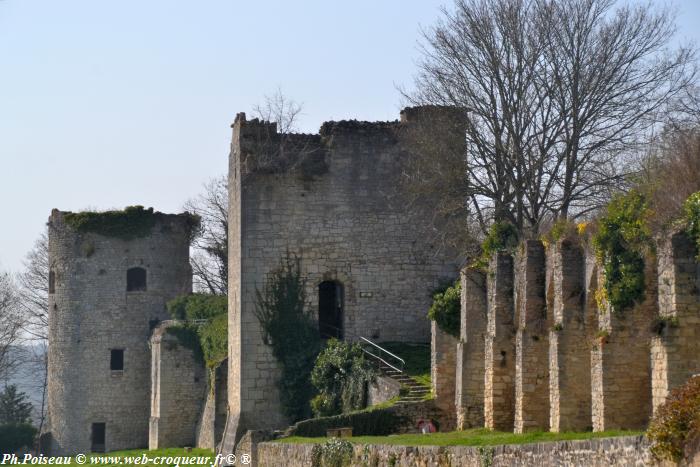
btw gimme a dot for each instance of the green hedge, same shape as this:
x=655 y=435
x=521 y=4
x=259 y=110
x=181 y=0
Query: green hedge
x=371 y=422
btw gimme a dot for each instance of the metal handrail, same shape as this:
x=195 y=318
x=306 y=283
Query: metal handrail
x=341 y=332
x=383 y=361
x=403 y=362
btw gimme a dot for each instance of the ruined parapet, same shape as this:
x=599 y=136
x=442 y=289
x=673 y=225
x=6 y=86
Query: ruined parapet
x=106 y=292
x=675 y=349
x=531 y=346
x=620 y=363
x=333 y=202
x=499 y=354
x=178 y=389
x=469 y=391
x=443 y=364
x=569 y=350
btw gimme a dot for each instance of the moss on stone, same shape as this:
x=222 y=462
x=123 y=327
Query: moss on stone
x=127 y=224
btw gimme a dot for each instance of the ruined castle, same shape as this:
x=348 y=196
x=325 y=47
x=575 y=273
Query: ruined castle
x=118 y=380
x=538 y=347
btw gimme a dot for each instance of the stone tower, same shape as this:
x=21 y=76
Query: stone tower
x=331 y=199
x=106 y=292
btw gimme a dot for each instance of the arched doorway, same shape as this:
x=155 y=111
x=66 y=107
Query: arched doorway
x=330 y=309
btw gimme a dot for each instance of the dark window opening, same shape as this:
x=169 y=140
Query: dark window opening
x=52 y=282
x=330 y=309
x=98 y=437
x=135 y=280
x=116 y=360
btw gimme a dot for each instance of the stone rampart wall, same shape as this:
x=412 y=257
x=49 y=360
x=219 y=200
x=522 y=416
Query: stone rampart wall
x=556 y=357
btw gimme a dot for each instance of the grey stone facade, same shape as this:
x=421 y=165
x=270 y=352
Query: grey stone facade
x=330 y=199
x=93 y=319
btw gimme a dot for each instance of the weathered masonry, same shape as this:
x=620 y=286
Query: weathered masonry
x=539 y=351
x=331 y=200
x=106 y=294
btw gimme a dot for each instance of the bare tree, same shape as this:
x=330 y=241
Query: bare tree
x=210 y=257
x=10 y=325
x=33 y=290
x=555 y=94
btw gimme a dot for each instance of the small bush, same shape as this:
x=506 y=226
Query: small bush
x=502 y=236
x=446 y=309
x=676 y=424
x=340 y=376
x=691 y=209
x=622 y=238
x=562 y=228
x=15 y=436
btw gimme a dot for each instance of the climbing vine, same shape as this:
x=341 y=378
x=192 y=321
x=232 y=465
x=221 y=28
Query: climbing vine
x=291 y=332
x=620 y=243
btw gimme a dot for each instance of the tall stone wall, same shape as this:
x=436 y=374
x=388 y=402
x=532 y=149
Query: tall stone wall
x=578 y=364
x=675 y=346
x=469 y=393
x=91 y=313
x=569 y=350
x=620 y=361
x=178 y=389
x=499 y=352
x=331 y=200
x=442 y=373
x=532 y=347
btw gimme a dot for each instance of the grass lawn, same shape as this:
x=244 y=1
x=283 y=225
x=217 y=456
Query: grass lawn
x=207 y=456
x=417 y=357
x=474 y=437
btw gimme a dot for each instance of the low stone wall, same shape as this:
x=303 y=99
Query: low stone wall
x=622 y=451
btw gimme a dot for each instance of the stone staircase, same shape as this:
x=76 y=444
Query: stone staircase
x=413 y=391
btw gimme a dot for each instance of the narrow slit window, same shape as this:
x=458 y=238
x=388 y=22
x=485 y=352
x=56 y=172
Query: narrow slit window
x=116 y=360
x=135 y=280
x=52 y=282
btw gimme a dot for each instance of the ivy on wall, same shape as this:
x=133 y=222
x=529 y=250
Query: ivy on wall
x=208 y=340
x=620 y=243
x=291 y=332
x=127 y=224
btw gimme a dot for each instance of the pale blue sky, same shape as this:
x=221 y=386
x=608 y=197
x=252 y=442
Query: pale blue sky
x=106 y=104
